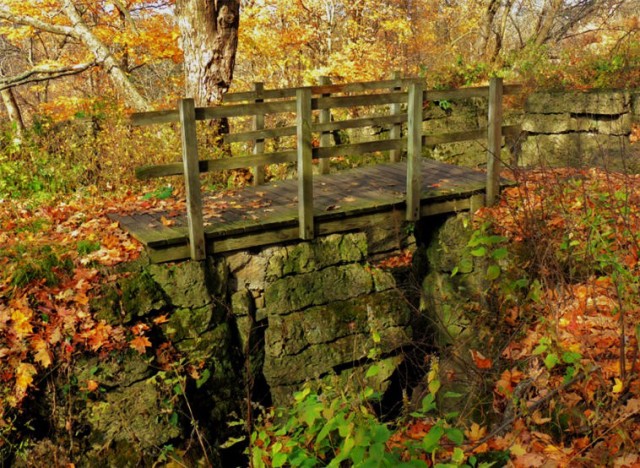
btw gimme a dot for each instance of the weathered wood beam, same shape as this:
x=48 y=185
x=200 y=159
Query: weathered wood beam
x=494 y=146
x=186 y=109
x=305 y=169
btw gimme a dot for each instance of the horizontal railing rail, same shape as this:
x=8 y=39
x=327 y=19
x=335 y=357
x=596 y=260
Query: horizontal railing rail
x=403 y=97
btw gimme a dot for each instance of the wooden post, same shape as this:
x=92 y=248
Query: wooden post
x=396 y=129
x=414 y=150
x=258 y=145
x=325 y=137
x=495 y=140
x=186 y=108
x=305 y=169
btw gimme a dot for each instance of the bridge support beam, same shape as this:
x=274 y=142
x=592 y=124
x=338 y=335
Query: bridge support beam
x=187 y=112
x=414 y=150
x=495 y=140
x=305 y=168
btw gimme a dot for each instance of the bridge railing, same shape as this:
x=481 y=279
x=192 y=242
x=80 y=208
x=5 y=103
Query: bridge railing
x=402 y=100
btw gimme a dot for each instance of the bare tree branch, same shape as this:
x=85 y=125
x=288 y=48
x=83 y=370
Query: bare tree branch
x=126 y=14
x=42 y=73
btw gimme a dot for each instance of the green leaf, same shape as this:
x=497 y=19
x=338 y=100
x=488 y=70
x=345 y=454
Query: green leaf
x=381 y=434
x=434 y=386
x=466 y=265
x=455 y=435
x=541 y=348
x=570 y=357
x=452 y=395
x=376 y=337
x=279 y=459
x=203 y=378
x=551 y=360
x=431 y=441
x=457 y=456
x=302 y=394
x=429 y=403
x=455 y=271
x=500 y=253
x=479 y=252
x=493 y=272
x=372 y=371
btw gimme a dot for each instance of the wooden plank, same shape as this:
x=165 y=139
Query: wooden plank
x=259 y=134
x=396 y=130
x=258 y=145
x=168 y=116
x=494 y=146
x=414 y=151
x=240 y=110
x=139 y=228
x=192 y=178
x=223 y=164
x=324 y=118
x=156 y=117
x=336 y=102
x=305 y=170
x=378 y=121
x=320 y=89
x=353 y=149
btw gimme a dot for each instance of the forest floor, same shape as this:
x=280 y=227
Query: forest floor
x=568 y=382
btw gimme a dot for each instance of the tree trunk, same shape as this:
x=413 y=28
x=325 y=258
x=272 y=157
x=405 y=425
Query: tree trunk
x=103 y=55
x=546 y=22
x=486 y=24
x=209 y=31
x=15 y=116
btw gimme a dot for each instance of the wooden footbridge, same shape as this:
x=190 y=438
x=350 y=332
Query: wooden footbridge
x=405 y=188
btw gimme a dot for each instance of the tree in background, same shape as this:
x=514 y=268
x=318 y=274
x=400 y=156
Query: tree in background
x=209 y=31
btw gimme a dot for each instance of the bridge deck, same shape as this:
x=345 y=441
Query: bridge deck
x=268 y=214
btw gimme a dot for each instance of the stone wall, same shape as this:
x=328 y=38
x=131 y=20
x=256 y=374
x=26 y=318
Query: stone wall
x=580 y=128
x=558 y=129
x=313 y=308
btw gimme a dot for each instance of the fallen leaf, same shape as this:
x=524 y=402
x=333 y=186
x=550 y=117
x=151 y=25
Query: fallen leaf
x=92 y=385
x=167 y=222
x=140 y=344
x=480 y=361
x=476 y=432
x=618 y=386
x=24 y=377
x=161 y=319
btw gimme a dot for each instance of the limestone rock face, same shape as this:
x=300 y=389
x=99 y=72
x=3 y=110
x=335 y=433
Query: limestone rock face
x=453 y=307
x=606 y=102
x=312 y=308
x=580 y=129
